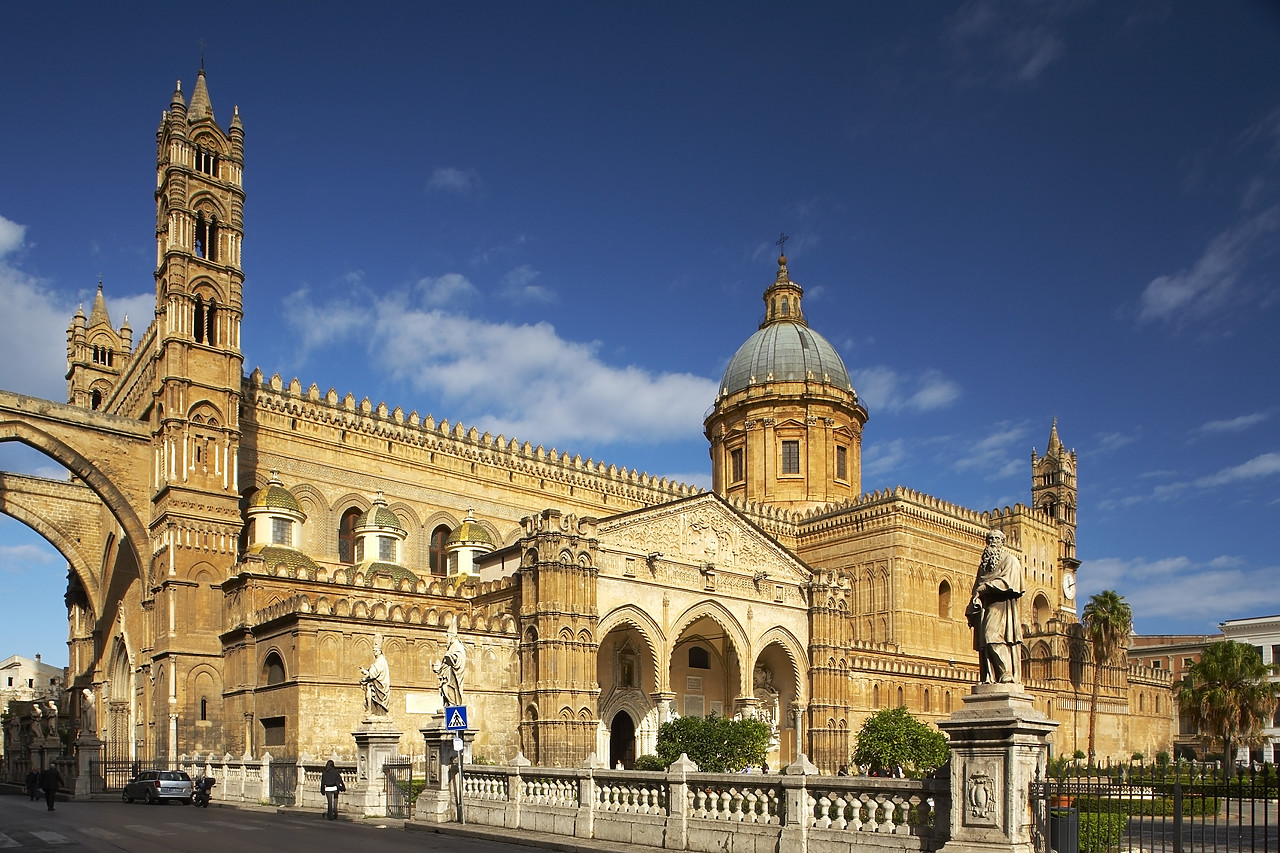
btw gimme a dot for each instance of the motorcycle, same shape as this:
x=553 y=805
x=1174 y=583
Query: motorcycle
x=203 y=791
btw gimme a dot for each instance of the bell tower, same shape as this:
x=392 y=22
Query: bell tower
x=1054 y=493
x=197 y=369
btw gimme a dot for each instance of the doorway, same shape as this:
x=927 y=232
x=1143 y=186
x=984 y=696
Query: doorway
x=622 y=741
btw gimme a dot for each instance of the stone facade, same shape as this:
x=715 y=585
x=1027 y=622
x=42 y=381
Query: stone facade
x=238 y=541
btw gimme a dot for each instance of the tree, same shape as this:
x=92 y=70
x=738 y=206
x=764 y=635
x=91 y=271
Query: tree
x=892 y=738
x=716 y=744
x=1228 y=695
x=1108 y=621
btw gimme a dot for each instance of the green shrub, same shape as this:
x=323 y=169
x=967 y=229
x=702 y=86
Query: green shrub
x=716 y=744
x=893 y=737
x=649 y=762
x=1100 y=831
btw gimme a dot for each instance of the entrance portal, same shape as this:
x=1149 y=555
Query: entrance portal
x=622 y=741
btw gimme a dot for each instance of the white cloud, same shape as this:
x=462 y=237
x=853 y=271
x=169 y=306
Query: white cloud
x=999 y=454
x=518 y=380
x=19 y=558
x=884 y=388
x=35 y=325
x=1007 y=42
x=457 y=181
x=1181 y=590
x=1229 y=425
x=1213 y=281
x=1109 y=442
x=447 y=290
x=1264 y=465
x=518 y=284
x=881 y=458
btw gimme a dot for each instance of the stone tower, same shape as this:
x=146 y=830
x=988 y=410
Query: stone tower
x=96 y=354
x=1054 y=492
x=194 y=399
x=786 y=427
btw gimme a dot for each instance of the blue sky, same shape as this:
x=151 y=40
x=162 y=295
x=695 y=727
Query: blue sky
x=555 y=221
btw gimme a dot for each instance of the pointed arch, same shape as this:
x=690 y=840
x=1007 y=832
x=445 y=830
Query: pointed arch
x=794 y=650
x=635 y=617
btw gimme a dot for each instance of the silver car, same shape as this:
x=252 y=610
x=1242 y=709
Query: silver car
x=156 y=786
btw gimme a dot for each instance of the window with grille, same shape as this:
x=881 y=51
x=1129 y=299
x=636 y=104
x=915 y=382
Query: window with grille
x=387 y=549
x=737 y=465
x=842 y=463
x=281 y=531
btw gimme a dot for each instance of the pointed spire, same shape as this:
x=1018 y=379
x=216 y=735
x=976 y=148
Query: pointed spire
x=178 y=103
x=98 y=315
x=1055 y=444
x=200 y=105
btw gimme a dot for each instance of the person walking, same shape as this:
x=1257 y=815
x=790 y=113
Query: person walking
x=332 y=785
x=51 y=781
x=33 y=782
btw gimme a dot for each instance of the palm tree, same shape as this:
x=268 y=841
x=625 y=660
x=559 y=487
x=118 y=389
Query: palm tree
x=1108 y=621
x=1228 y=695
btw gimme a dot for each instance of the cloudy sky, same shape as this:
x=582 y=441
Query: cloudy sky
x=555 y=221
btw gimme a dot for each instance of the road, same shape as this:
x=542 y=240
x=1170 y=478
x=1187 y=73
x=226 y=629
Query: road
x=172 y=828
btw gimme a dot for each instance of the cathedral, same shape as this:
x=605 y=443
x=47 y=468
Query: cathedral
x=239 y=545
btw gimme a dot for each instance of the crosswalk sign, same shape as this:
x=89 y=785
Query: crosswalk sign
x=455 y=718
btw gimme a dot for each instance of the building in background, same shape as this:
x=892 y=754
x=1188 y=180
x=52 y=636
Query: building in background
x=1263 y=633
x=237 y=543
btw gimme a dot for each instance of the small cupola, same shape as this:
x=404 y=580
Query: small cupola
x=274 y=515
x=379 y=534
x=469 y=541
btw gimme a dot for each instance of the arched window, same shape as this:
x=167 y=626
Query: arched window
x=205 y=325
x=900 y=702
x=347 y=535
x=439 y=557
x=204 y=708
x=206 y=244
x=944 y=600
x=95 y=399
x=875 y=696
x=699 y=658
x=926 y=700
x=273 y=669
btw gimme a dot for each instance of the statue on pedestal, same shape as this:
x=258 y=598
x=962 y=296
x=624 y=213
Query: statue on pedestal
x=452 y=669
x=88 y=714
x=376 y=679
x=993 y=613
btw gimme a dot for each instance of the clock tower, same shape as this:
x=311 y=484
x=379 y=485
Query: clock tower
x=1053 y=492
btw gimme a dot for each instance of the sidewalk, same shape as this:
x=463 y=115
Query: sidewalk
x=531 y=839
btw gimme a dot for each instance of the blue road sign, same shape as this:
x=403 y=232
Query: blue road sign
x=455 y=718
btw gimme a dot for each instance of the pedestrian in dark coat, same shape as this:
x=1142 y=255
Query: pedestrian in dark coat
x=33 y=782
x=51 y=781
x=332 y=785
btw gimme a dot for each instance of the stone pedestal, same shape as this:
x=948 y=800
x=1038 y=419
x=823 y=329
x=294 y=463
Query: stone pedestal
x=88 y=751
x=998 y=740
x=377 y=742
x=438 y=801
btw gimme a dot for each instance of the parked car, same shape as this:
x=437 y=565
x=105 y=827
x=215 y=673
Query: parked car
x=156 y=786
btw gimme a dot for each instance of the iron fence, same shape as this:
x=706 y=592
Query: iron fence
x=108 y=775
x=1161 y=808
x=283 y=786
x=400 y=787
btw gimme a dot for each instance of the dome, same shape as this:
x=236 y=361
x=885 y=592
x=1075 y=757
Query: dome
x=469 y=532
x=276 y=496
x=785 y=351
x=379 y=516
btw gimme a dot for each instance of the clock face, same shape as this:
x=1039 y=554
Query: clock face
x=1069 y=587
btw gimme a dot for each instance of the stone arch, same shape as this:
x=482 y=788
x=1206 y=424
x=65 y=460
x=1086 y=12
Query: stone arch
x=117 y=503
x=718 y=613
x=63 y=541
x=630 y=614
x=794 y=649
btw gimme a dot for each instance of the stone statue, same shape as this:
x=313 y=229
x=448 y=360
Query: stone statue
x=37 y=721
x=993 y=613
x=452 y=669
x=376 y=679
x=51 y=719
x=88 y=713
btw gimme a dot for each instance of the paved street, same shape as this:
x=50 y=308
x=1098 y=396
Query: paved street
x=115 y=826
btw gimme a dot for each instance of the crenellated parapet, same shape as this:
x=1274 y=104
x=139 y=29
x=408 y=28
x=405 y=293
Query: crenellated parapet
x=344 y=420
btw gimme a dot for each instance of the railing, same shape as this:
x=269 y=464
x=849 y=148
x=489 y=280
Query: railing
x=682 y=809
x=1163 y=808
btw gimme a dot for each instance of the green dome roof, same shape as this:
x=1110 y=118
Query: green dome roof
x=469 y=532
x=379 y=516
x=276 y=555
x=275 y=496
